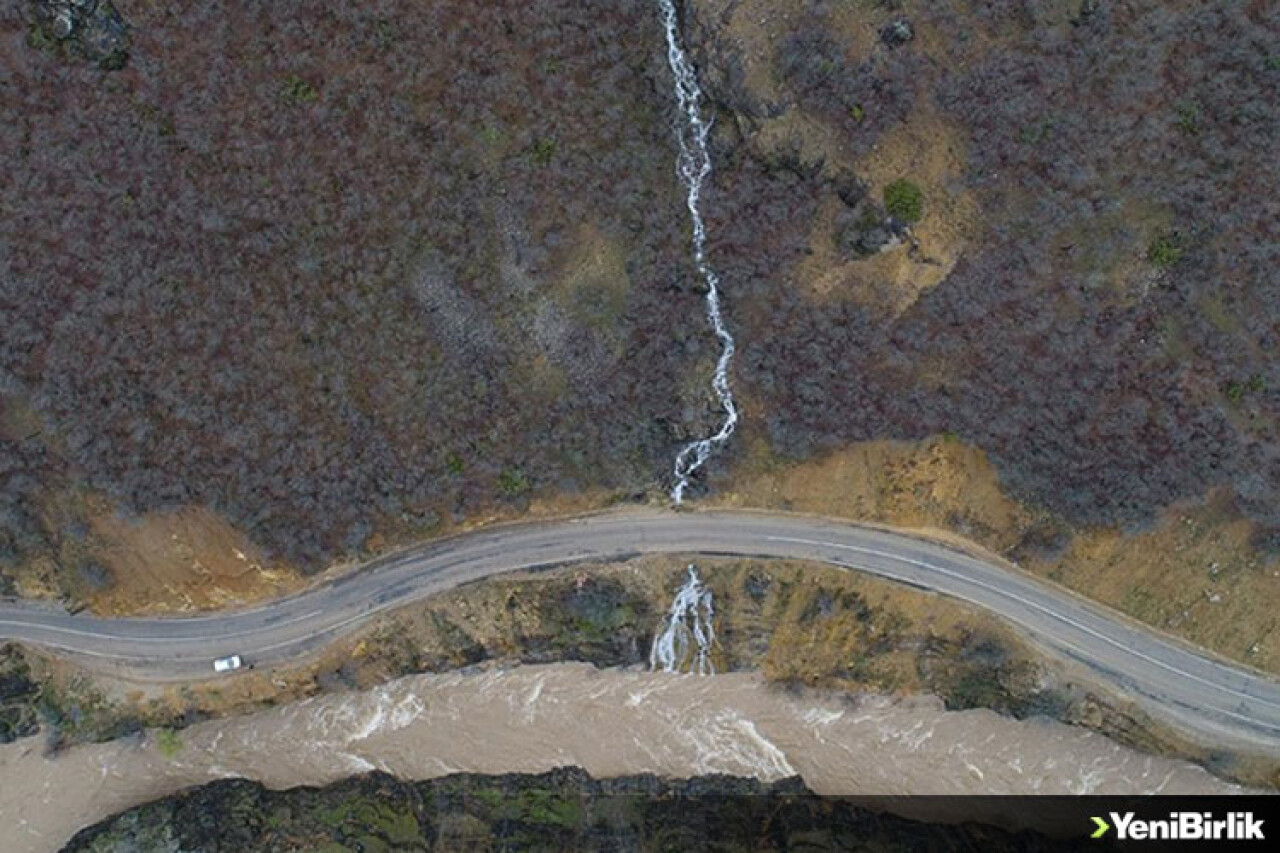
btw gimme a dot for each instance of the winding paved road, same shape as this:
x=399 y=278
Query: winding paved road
x=1212 y=697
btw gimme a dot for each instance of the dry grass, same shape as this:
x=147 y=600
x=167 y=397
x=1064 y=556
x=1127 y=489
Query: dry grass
x=926 y=148
x=940 y=483
x=1193 y=574
x=754 y=28
x=593 y=284
x=929 y=151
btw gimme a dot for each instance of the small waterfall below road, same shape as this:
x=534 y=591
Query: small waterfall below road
x=687 y=633
x=694 y=167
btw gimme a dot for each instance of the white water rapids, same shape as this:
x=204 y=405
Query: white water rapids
x=610 y=722
x=694 y=167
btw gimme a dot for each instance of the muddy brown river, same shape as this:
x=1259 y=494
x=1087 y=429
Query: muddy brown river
x=609 y=722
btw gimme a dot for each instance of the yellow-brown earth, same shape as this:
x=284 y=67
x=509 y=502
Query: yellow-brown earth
x=1193 y=573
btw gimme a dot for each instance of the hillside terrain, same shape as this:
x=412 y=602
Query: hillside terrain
x=283 y=288
x=334 y=273
x=1071 y=355
x=297 y=289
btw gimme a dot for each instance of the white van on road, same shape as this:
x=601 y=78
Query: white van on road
x=228 y=663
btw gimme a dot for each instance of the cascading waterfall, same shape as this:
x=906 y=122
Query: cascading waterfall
x=687 y=633
x=694 y=166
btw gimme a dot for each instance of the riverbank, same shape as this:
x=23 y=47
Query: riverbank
x=797 y=624
x=564 y=809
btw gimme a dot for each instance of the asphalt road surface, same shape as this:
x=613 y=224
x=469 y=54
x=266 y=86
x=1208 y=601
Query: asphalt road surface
x=1214 y=698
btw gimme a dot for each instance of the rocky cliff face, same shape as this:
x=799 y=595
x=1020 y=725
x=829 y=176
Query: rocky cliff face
x=562 y=810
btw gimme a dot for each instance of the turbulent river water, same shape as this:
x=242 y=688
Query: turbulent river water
x=694 y=167
x=610 y=722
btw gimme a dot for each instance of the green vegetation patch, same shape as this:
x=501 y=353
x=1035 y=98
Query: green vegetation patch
x=543 y=151
x=18 y=696
x=549 y=808
x=1236 y=391
x=1188 y=118
x=373 y=819
x=76 y=712
x=980 y=670
x=1035 y=132
x=91 y=31
x=589 y=619
x=513 y=483
x=1165 y=251
x=169 y=742
x=904 y=200
x=297 y=91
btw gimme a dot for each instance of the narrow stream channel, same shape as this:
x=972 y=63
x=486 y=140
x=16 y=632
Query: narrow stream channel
x=694 y=167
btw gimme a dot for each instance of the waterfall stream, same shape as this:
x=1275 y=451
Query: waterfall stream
x=694 y=167
x=687 y=632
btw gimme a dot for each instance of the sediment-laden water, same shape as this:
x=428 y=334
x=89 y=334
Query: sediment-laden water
x=609 y=722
